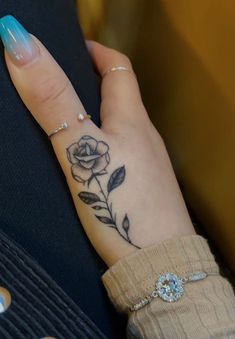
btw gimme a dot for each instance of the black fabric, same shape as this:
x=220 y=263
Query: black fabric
x=39 y=306
x=36 y=209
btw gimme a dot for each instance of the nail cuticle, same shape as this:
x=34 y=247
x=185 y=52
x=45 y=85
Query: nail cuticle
x=28 y=64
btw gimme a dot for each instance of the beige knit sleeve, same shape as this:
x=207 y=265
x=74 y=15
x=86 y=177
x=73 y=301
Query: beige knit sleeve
x=207 y=308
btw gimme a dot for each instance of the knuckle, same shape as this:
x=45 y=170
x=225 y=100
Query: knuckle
x=50 y=90
x=120 y=57
x=125 y=59
x=161 y=141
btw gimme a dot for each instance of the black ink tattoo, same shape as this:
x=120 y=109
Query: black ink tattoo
x=89 y=159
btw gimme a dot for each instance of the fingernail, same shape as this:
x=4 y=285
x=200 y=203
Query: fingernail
x=17 y=41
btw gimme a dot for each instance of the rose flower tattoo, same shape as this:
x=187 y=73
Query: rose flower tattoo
x=89 y=159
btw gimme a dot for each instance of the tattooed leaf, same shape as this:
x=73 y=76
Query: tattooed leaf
x=88 y=198
x=126 y=224
x=104 y=220
x=116 y=178
x=96 y=207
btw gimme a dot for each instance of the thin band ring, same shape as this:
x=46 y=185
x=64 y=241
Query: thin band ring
x=63 y=126
x=114 y=69
x=80 y=117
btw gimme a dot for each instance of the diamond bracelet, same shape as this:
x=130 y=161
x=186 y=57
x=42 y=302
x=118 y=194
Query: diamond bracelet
x=169 y=287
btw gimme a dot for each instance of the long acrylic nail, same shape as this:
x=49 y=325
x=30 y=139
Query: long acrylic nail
x=17 y=41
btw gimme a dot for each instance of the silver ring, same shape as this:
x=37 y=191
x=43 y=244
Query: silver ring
x=60 y=128
x=117 y=68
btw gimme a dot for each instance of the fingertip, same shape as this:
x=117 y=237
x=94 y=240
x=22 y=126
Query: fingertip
x=89 y=43
x=18 y=42
x=92 y=46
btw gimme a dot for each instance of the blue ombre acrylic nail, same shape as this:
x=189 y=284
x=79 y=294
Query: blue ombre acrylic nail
x=17 y=41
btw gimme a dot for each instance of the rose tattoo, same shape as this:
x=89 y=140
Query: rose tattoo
x=89 y=159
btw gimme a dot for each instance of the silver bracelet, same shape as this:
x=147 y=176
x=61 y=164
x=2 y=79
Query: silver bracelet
x=169 y=287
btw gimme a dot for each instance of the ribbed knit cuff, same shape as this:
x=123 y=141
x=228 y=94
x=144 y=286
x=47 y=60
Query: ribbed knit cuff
x=134 y=276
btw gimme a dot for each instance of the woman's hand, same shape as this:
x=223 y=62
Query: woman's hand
x=120 y=175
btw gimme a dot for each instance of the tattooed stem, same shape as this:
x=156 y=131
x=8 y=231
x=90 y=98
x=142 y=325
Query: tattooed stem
x=128 y=239
x=105 y=198
x=109 y=209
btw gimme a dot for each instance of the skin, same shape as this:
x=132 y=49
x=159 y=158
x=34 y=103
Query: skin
x=150 y=194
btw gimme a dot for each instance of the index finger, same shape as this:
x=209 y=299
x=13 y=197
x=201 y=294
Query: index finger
x=120 y=92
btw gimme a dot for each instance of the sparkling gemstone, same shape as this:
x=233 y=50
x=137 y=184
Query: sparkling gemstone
x=169 y=287
x=197 y=276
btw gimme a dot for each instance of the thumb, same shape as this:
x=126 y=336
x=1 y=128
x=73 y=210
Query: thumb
x=82 y=149
x=41 y=83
